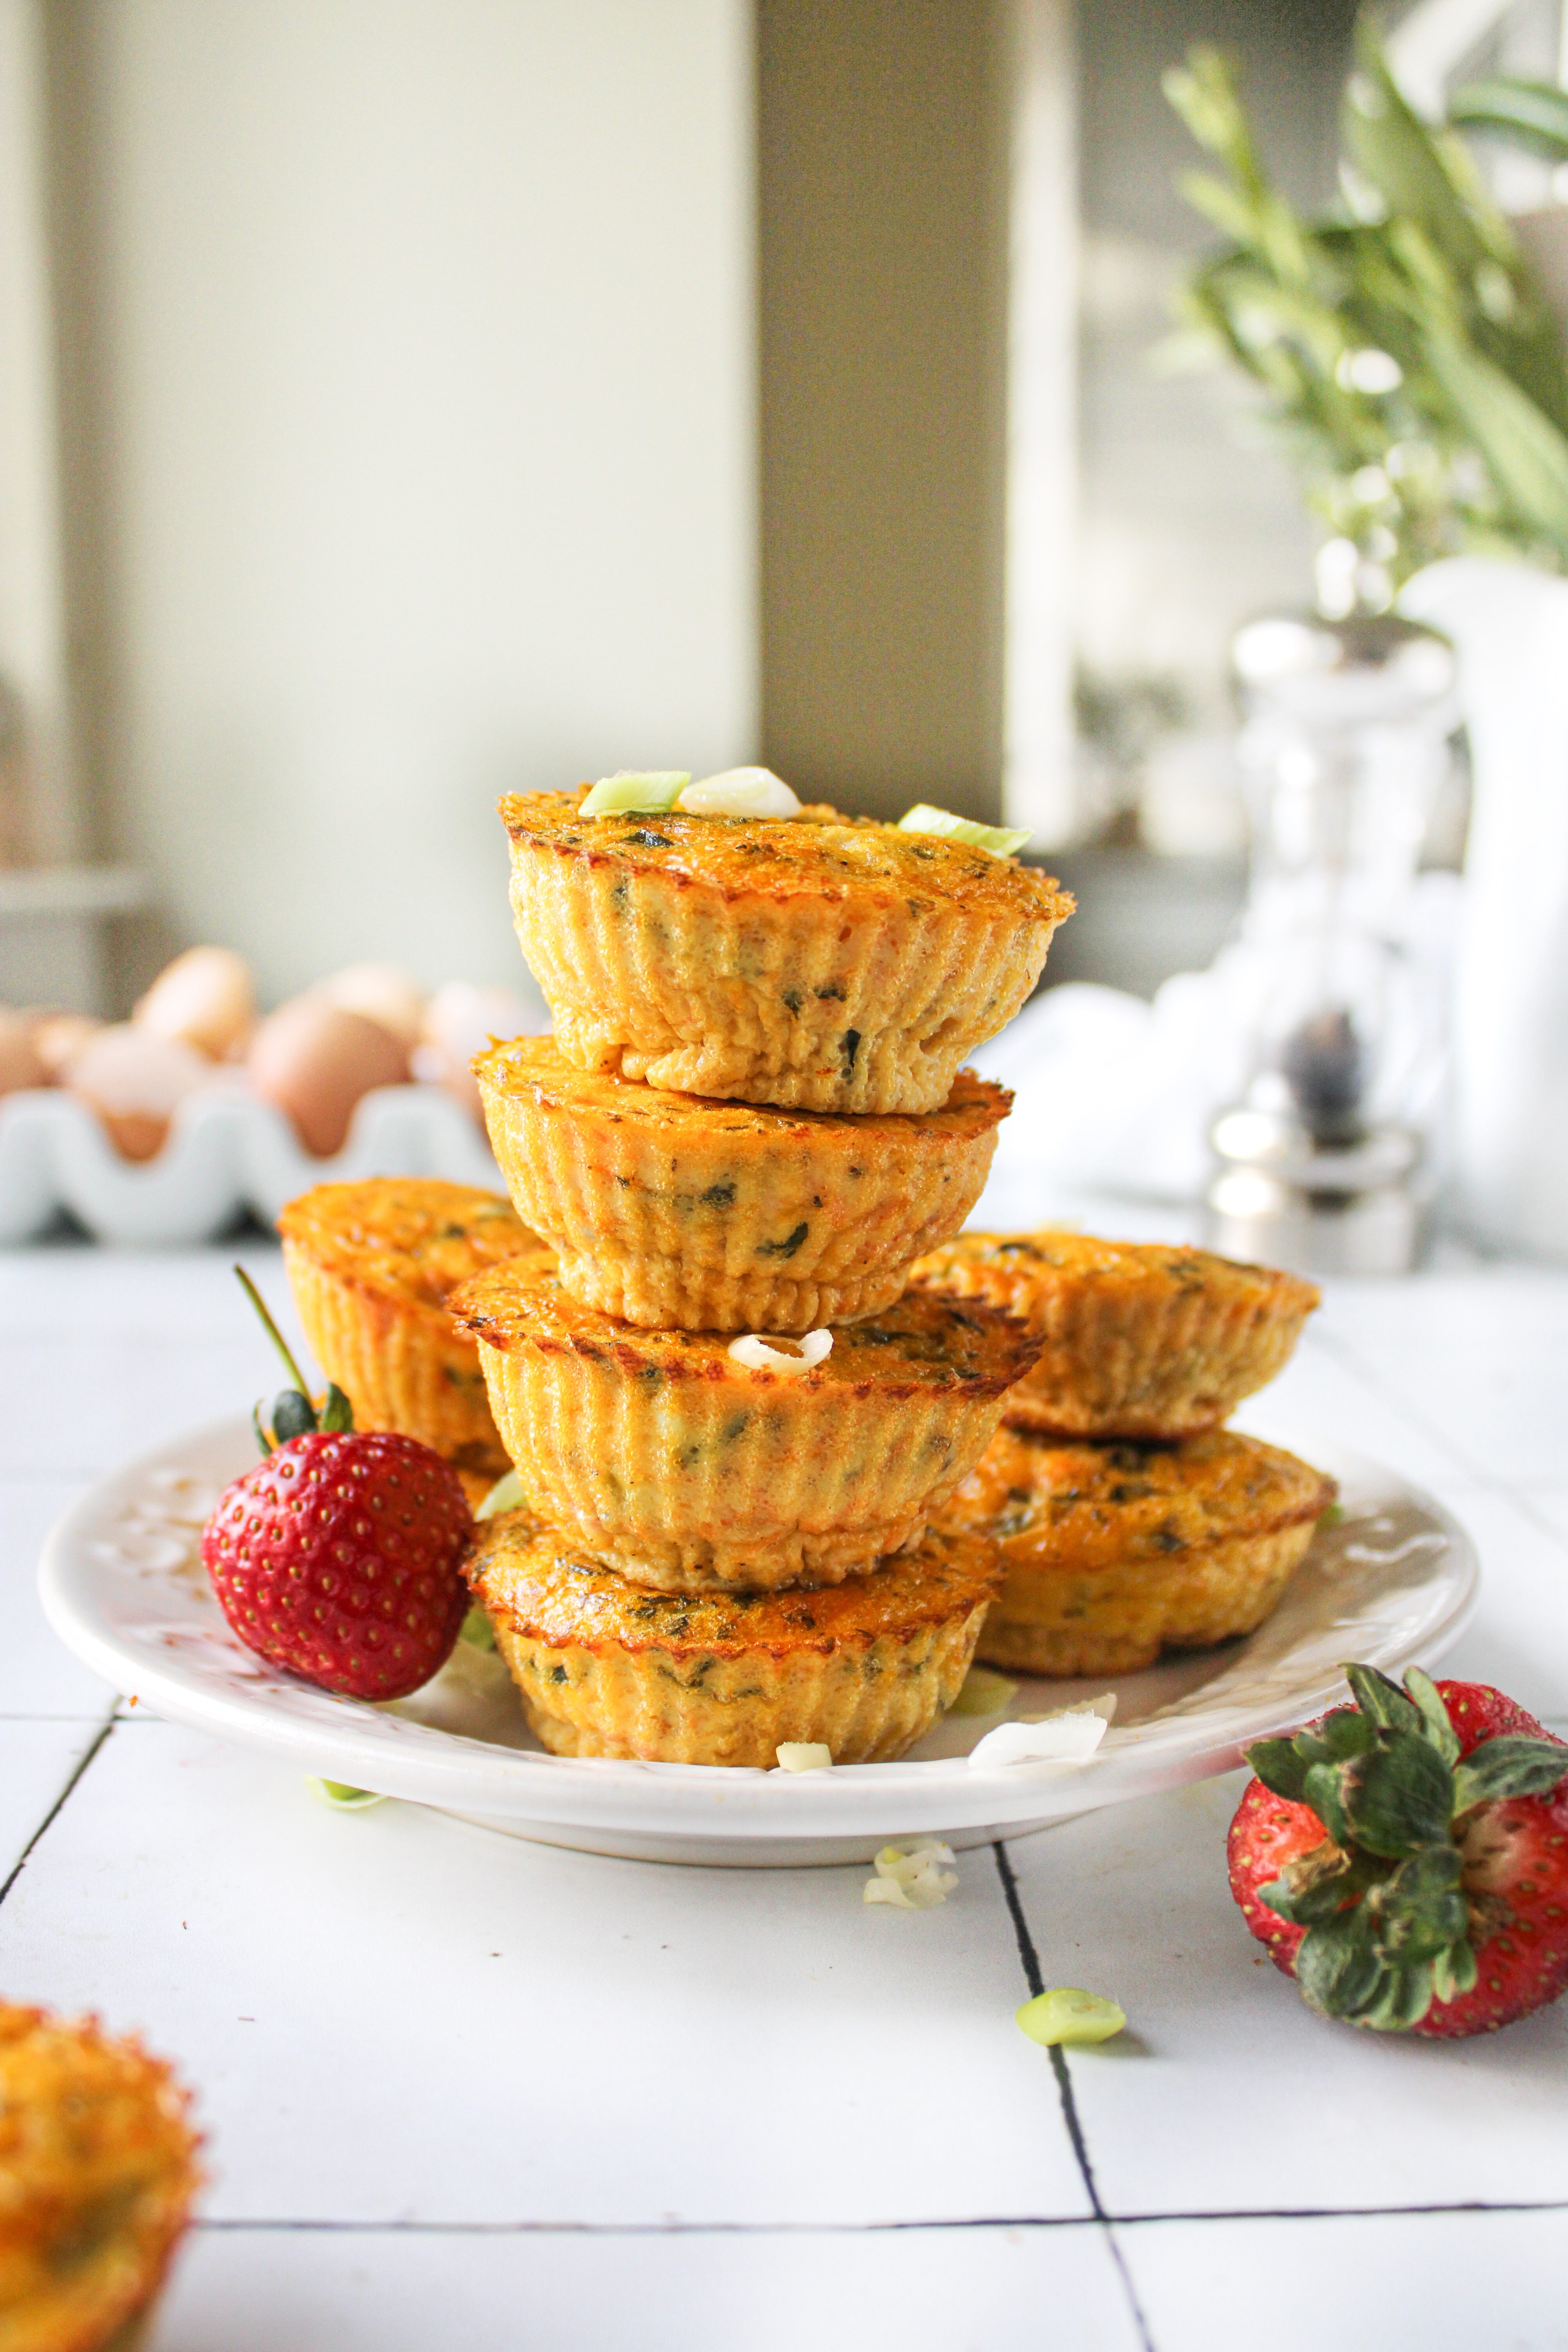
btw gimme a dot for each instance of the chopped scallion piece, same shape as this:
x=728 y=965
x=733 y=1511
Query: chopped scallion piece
x=741 y=792
x=983 y=1693
x=1001 y=840
x=477 y=1629
x=506 y=1494
x=1068 y=2015
x=652 y=788
x=341 y=1796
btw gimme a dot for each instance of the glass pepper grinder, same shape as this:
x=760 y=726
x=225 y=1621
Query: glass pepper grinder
x=1325 y=1164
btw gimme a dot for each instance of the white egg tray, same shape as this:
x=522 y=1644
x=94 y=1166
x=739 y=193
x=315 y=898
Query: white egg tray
x=226 y=1152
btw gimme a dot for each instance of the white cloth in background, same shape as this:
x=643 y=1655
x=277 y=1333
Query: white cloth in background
x=1115 y=1095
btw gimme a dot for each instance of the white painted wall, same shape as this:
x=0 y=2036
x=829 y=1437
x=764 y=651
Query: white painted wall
x=427 y=333
x=32 y=613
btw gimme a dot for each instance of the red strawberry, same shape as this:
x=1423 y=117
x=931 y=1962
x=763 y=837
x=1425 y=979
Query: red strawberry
x=340 y=1557
x=1407 y=1859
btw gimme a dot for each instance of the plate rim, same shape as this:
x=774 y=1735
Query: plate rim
x=454 y=1772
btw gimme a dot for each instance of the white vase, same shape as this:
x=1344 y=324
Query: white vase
x=1510 y=624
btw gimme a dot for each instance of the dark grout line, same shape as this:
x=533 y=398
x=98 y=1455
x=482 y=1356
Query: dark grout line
x=54 y=1812
x=1037 y=1984
x=284 y=2225
x=16 y=1716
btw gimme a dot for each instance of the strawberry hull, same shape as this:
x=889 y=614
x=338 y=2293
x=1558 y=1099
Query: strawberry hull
x=1513 y=1866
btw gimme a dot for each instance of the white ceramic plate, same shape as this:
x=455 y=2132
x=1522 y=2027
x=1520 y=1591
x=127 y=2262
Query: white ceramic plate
x=1392 y=1583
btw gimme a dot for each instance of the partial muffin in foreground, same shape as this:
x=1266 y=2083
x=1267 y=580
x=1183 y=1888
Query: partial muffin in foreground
x=685 y=1213
x=371 y=1266
x=1138 y=1339
x=814 y=962
x=98 y=2173
x=606 y=1668
x=1112 y=1553
x=687 y=1469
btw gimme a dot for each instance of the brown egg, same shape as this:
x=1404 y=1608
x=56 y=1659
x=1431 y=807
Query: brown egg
x=21 y=1064
x=59 y=1037
x=314 y=1061
x=382 y=993
x=206 y=997
x=135 y=1082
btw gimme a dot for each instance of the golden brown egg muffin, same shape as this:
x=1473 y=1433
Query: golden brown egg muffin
x=685 y=1213
x=662 y=1454
x=814 y=962
x=1112 y=1553
x=608 y=1669
x=371 y=1266
x=1139 y=1340
x=98 y=2172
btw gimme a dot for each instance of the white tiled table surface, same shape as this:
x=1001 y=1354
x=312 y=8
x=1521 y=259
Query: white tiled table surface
x=466 y=2092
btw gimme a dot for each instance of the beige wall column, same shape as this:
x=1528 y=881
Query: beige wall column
x=1042 y=420
x=883 y=243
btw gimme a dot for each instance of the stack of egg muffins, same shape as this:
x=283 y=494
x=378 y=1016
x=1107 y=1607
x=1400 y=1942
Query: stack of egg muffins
x=773 y=1446
x=730 y=1421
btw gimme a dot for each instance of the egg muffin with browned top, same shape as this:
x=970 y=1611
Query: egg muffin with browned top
x=1112 y=1553
x=371 y=1266
x=606 y=1668
x=687 y=1467
x=681 y=1213
x=815 y=962
x=1139 y=1340
x=98 y=2173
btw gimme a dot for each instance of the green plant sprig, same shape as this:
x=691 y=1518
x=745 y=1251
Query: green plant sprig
x=1406 y=354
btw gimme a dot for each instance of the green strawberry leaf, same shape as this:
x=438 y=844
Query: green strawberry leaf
x=1420 y=1911
x=1397 y=1797
x=293 y=1416
x=1508 y=1766
x=263 y=1442
x=1336 y=1968
x=1402 y=2000
x=1325 y=1794
x=337 y=1412
x=1307 y=1896
x=1280 y=1766
x=1382 y=1701
x=1345 y=1733
x=1429 y=1699
x=1454 y=1972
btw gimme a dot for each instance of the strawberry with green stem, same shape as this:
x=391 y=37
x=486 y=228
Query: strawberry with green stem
x=1405 y=1859
x=340 y=1554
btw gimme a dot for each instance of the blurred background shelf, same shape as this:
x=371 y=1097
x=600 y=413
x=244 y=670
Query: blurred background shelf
x=54 y=928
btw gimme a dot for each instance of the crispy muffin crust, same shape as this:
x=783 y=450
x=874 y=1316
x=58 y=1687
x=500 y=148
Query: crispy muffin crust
x=371 y=1266
x=607 y=1669
x=680 y=1212
x=659 y=1453
x=1139 y=1340
x=98 y=2172
x=818 y=963
x=1113 y=1552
